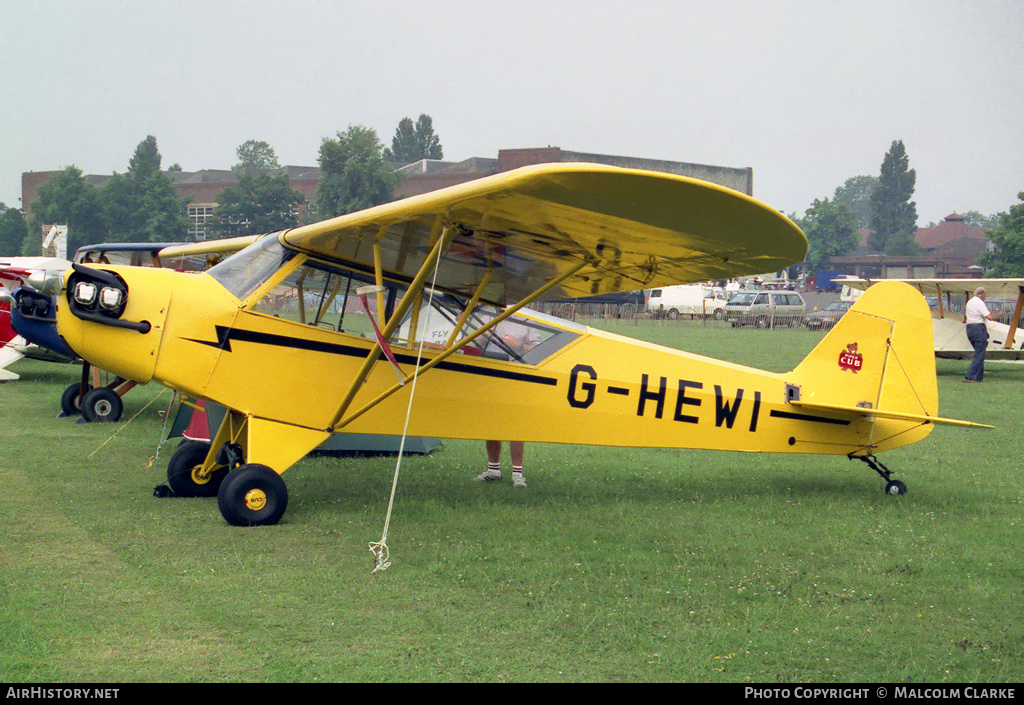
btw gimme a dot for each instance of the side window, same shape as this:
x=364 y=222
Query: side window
x=320 y=296
x=517 y=338
x=761 y=299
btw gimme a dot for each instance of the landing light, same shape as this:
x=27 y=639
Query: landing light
x=85 y=293
x=110 y=298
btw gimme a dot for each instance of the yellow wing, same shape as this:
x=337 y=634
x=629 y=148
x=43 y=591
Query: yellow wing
x=209 y=247
x=634 y=229
x=937 y=287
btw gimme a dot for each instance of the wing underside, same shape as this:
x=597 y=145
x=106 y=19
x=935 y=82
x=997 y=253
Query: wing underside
x=516 y=231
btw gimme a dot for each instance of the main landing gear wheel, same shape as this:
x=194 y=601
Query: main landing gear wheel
x=101 y=404
x=71 y=399
x=185 y=474
x=252 y=495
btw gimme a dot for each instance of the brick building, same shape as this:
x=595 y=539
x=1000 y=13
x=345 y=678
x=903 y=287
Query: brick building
x=203 y=187
x=951 y=251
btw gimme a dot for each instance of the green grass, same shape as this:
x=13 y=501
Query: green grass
x=615 y=564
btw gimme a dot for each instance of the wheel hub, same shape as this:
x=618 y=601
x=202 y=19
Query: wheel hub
x=255 y=499
x=198 y=476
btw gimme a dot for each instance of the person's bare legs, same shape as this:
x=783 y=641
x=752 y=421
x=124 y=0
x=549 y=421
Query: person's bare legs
x=516 y=449
x=493 y=471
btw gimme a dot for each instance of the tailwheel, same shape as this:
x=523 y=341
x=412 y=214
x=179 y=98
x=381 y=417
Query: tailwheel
x=101 y=404
x=185 y=475
x=892 y=487
x=895 y=487
x=252 y=495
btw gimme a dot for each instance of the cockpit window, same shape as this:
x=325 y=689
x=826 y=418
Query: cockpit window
x=328 y=297
x=517 y=338
x=243 y=272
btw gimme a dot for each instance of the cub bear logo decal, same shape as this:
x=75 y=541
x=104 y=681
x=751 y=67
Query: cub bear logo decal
x=850 y=359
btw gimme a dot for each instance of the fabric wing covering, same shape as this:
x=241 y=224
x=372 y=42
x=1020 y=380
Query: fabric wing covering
x=636 y=229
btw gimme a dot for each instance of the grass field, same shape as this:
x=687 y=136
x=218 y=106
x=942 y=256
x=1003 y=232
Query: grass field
x=615 y=564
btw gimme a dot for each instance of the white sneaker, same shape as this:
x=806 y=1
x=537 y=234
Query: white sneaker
x=488 y=476
x=518 y=480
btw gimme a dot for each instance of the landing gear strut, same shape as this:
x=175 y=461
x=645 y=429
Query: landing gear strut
x=893 y=487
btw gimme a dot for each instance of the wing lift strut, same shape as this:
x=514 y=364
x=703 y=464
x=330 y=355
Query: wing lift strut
x=344 y=416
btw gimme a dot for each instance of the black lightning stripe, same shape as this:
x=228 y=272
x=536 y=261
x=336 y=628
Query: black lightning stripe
x=226 y=335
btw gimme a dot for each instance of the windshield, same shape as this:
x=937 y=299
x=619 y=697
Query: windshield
x=742 y=300
x=243 y=272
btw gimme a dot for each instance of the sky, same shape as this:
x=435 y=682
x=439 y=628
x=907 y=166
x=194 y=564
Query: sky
x=808 y=94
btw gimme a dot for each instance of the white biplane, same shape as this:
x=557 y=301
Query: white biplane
x=947 y=298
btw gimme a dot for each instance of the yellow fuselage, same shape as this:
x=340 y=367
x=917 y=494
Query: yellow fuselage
x=601 y=389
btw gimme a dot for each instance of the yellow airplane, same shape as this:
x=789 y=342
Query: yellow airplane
x=1005 y=342
x=330 y=327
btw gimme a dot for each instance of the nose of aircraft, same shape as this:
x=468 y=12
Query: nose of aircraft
x=114 y=317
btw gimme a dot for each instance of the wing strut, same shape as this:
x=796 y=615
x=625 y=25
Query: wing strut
x=446 y=353
x=411 y=295
x=1011 y=335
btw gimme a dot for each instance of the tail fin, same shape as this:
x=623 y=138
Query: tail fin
x=878 y=361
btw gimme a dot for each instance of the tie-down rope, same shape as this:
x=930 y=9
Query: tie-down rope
x=379 y=549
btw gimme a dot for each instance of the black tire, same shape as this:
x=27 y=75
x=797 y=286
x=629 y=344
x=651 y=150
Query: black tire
x=181 y=477
x=719 y=314
x=101 y=405
x=895 y=487
x=71 y=401
x=252 y=495
x=672 y=314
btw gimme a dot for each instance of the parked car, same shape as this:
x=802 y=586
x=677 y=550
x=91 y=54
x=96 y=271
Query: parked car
x=828 y=316
x=765 y=309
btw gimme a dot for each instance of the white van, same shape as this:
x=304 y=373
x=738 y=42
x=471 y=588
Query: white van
x=688 y=300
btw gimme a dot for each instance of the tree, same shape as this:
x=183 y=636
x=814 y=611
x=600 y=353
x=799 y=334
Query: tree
x=255 y=155
x=410 y=144
x=12 y=231
x=831 y=230
x=259 y=203
x=354 y=174
x=1007 y=259
x=902 y=244
x=67 y=199
x=980 y=220
x=856 y=193
x=142 y=205
x=894 y=212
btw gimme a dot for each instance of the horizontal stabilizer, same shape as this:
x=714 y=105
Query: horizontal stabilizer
x=879 y=413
